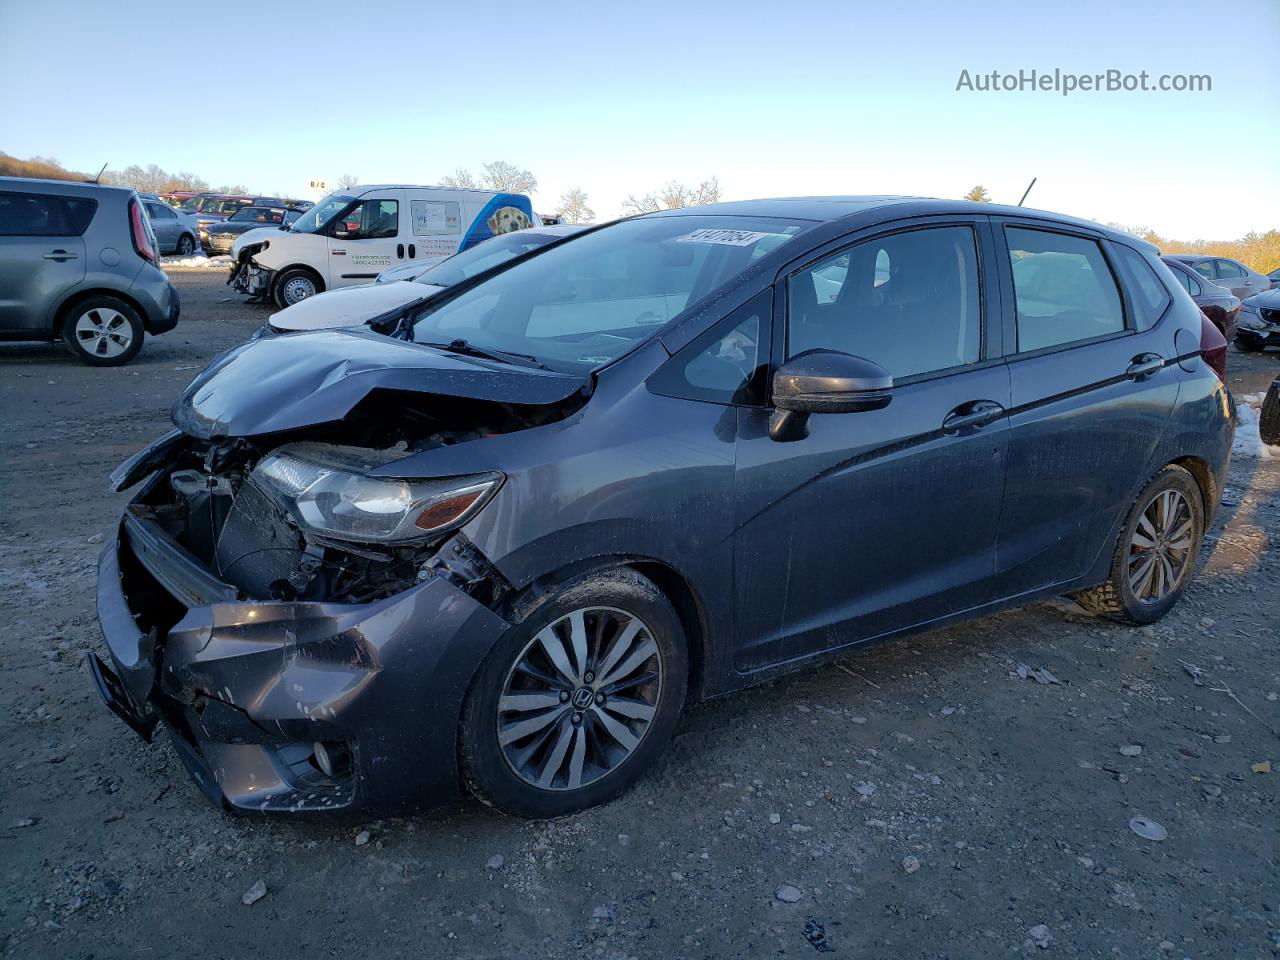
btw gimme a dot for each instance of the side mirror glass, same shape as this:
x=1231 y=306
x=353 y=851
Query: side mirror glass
x=825 y=381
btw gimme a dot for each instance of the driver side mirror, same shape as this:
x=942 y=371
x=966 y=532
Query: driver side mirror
x=825 y=381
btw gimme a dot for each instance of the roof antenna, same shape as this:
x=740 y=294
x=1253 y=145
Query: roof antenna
x=1026 y=191
x=101 y=172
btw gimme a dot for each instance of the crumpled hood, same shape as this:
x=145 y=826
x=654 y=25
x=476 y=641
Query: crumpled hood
x=285 y=383
x=350 y=306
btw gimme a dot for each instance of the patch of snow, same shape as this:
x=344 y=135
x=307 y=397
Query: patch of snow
x=199 y=262
x=1248 y=442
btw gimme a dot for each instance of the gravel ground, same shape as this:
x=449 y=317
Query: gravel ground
x=926 y=799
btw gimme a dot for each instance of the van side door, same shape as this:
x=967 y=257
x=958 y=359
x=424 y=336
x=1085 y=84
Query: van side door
x=367 y=238
x=42 y=256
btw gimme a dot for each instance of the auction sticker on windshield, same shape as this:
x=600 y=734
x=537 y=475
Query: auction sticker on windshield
x=728 y=238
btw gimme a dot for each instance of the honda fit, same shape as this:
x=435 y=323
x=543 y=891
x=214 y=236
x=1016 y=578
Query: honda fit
x=678 y=455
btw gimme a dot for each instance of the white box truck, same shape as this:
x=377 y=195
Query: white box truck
x=351 y=236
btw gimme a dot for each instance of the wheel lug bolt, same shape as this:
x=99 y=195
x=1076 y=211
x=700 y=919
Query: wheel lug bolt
x=564 y=696
x=599 y=698
x=590 y=677
x=577 y=719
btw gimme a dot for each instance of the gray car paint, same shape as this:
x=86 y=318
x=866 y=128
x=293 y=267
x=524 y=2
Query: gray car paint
x=777 y=554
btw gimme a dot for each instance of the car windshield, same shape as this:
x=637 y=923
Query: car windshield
x=257 y=215
x=580 y=305
x=500 y=249
x=321 y=213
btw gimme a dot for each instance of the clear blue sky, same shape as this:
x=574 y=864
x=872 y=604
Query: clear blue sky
x=774 y=99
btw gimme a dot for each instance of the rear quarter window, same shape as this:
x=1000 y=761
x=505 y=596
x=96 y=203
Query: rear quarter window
x=40 y=215
x=1150 y=297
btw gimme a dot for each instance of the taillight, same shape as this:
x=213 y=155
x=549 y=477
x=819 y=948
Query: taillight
x=141 y=238
x=1213 y=347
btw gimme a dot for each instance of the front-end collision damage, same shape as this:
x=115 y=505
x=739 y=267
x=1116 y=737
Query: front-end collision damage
x=304 y=618
x=247 y=275
x=255 y=689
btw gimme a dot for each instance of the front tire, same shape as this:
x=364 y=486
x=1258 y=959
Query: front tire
x=294 y=286
x=1155 y=553
x=576 y=701
x=103 y=332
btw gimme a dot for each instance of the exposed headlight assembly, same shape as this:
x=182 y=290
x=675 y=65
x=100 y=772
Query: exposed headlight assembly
x=328 y=492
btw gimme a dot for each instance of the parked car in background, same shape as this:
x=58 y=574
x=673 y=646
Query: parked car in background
x=1218 y=303
x=1274 y=277
x=219 y=207
x=217 y=238
x=1232 y=274
x=379 y=304
x=175 y=231
x=655 y=463
x=350 y=238
x=1259 y=322
x=78 y=262
x=177 y=198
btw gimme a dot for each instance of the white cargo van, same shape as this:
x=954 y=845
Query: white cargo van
x=351 y=236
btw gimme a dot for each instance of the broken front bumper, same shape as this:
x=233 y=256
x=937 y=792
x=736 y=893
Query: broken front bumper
x=250 y=278
x=246 y=688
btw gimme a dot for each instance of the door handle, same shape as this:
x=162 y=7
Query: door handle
x=972 y=416
x=413 y=252
x=1144 y=365
x=60 y=255
x=400 y=251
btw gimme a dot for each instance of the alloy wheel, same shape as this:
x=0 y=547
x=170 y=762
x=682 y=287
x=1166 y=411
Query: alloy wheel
x=580 y=698
x=103 y=332
x=1160 y=548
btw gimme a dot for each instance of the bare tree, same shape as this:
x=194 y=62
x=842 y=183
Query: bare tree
x=347 y=181
x=978 y=193
x=459 y=178
x=674 y=196
x=573 y=207
x=185 y=180
x=508 y=178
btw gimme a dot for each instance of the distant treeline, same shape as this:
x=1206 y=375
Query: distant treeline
x=1261 y=251
x=151 y=178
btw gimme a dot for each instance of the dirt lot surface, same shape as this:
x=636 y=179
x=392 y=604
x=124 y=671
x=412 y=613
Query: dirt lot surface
x=925 y=800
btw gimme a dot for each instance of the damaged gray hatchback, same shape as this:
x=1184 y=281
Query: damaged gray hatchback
x=673 y=456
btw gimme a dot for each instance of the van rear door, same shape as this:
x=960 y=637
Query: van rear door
x=369 y=238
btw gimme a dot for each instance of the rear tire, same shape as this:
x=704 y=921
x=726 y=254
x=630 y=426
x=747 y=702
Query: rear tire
x=103 y=332
x=1247 y=344
x=590 y=729
x=1155 y=553
x=186 y=245
x=294 y=286
x=1269 y=419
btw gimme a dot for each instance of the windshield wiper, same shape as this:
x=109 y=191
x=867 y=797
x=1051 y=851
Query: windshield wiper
x=471 y=350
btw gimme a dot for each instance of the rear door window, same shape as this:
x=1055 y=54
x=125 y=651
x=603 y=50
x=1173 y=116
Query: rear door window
x=1228 y=269
x=1063 y=288
x=39 y=215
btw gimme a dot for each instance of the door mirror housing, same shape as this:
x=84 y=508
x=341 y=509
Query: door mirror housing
x=825 y=381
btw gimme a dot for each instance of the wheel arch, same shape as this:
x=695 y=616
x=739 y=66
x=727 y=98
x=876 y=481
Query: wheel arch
x=321 y=286
x=1205 y=482
x=674 y=585
x=64 y=309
